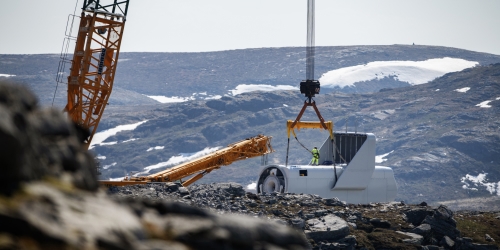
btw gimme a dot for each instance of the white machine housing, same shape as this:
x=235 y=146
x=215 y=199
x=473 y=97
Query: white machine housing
x=348 y=172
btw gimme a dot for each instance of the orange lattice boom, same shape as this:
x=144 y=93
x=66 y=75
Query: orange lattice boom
x=94 y=62
x=248 y=148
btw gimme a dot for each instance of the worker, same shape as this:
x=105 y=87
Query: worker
x=315 y=153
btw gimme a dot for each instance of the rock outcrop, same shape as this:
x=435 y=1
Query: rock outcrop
x=327 y=223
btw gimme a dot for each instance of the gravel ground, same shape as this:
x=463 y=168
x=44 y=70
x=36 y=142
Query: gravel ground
x=394 y=225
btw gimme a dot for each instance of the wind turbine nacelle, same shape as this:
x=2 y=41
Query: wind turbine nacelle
x=356 y=181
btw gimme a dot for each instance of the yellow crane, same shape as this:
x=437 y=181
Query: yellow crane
x=90 y=83
x=248 y=148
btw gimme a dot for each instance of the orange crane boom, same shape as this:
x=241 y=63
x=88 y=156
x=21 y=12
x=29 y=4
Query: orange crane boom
x=248 y=148
x=94 y=61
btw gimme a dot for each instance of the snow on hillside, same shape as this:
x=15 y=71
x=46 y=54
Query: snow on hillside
x=155 y=148
x=473 y=182
x=165 y=99
x=174 y=99
x=382 y=158
x=242 y=88
x=463 y=90
x=172 y=161
x=100 y=137
x=413 y=72
x=176 y=160
x=486 y=104
x=6 y=75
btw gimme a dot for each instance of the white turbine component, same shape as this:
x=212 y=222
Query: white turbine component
x=271 y=184
x=356 y=181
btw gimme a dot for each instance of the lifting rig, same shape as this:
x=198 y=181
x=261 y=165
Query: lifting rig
x=309 y=88
x=90 y=83
x=94 y=62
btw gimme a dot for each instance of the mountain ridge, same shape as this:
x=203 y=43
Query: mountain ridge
x=183 y=74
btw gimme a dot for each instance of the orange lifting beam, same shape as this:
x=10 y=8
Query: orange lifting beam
x=291 y=125
x=248 y=148
x=314 y=125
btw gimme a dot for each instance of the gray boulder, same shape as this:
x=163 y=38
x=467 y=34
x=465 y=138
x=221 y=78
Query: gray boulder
x=376 y=222
x=415 y=238
x=232 y=188
x=442 y=224
x=417 y=215
x=329 y=228
x=447 y=243
x=423 y=229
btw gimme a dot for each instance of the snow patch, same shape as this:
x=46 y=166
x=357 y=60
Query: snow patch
x=108 y=143
x=100 y=137
x=133 y=139
x=463 y=90
x=381 y=158
x=243 y=88
x=472 y=182
x=252 y=187
x=413 y=72
x=108 y=166
x=6 y=75
x=176 y=160
x=173 y=99
x=213 y=97
x=155 y=148
x=101 y=157
x=486 y=104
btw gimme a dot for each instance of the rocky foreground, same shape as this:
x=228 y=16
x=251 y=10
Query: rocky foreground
x=50 y=197
x=330 y=223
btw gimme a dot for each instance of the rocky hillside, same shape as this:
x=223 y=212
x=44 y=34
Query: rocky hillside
x=442 y=146
x=50 y=199
x=436 y=137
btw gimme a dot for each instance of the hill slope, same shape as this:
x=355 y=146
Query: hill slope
x=211 y=74
x=441 y=145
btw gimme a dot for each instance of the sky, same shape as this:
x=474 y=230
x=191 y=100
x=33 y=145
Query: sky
x=38 y=27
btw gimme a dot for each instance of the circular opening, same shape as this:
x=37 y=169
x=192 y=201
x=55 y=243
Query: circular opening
x=271 y=180
x=271 y=186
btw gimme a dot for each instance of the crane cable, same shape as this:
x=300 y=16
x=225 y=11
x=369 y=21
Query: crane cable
x=293 y=132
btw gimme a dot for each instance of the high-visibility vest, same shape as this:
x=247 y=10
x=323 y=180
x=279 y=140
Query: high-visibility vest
x=315 y=153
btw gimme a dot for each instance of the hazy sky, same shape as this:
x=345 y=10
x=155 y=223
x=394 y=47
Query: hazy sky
x=34 y=26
